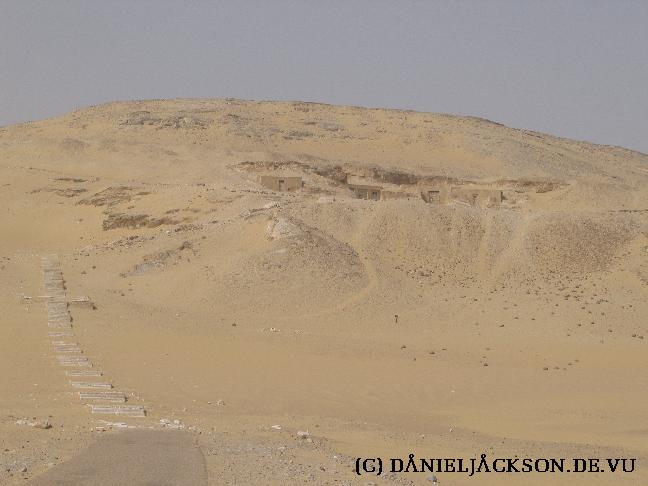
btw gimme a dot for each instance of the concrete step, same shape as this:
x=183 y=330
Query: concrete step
x=90 y=385
x=129 y=410
x=65 y=349
x=55 y=334
x=106 y=396
x=84 y=373
x=72 y=358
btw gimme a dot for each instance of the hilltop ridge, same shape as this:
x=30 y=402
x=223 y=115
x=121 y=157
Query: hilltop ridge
x=206 y=133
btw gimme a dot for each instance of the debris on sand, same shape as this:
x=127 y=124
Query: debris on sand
x=83 y=302
x=63 y=192
x=282 y=228
x=159 y=260
x=146 y=118
x=110 y=196
x=37 y=424
x=175 y=424
x=134 y=221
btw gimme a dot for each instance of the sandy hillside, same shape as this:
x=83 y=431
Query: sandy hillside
x=228 y=307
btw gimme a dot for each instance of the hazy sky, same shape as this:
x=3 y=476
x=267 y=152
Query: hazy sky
x=572 y=68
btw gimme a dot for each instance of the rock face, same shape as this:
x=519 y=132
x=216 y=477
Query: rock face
x=282 y=228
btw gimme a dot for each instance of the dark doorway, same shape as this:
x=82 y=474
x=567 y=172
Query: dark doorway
x=434 y=197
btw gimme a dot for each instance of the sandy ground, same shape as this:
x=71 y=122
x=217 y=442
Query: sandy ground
x=264 y=325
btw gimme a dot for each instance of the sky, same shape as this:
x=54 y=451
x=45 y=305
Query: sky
x=572 y=68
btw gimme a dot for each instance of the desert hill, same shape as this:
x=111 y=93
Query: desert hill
x=134 y=155
x=385 y=322
x=188 y=133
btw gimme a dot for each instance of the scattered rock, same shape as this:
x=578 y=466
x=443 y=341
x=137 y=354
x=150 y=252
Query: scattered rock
x=41 y=425
x=282 y=228
x=134 y=221
x=176 y=424
x=37 y=424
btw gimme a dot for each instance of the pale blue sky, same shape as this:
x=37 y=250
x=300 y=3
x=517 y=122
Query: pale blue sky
x=573 y=68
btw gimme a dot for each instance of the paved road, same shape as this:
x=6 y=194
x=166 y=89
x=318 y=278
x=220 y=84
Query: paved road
x=133 y=458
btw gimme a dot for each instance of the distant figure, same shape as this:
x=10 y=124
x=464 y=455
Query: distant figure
x=396 y=318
